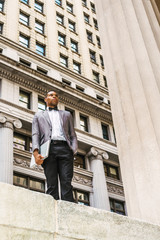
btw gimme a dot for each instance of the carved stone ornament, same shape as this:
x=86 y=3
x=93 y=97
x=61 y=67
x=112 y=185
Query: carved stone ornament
x=115 y=189
x=3 y=119
x=95 y=153
x=17 y=123
x=26 y=164
x=82 y=180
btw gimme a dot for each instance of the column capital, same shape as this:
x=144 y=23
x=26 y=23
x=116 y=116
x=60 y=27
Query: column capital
x=95 y=153
x=9 y=122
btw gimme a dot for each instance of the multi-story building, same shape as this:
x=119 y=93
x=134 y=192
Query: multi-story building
x=55 y=45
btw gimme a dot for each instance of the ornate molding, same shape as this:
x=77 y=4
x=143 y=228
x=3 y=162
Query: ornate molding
x=82 y=180
x=115 y=189
x=7 y=122
x=26 y=164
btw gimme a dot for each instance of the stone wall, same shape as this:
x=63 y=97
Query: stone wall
x=28 y=215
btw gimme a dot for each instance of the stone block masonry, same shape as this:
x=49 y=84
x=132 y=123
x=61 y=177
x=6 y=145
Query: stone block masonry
x=28 y=215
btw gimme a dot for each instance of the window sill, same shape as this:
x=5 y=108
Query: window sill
x=91 y=42
x=59 y=5
x=71 y=13
x=40 y=12
x=26 y=4
x=2 y=12
x=94 y=63
x=73 y=32
x=76 y=53
x=88 y=23
x=25 y=25
x=85 y=6
x=61 y=25
x=63 y=46
x=41 y=34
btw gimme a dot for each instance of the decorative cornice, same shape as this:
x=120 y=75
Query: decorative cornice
x=26 y=164
x=78 y=178
x=90 y=108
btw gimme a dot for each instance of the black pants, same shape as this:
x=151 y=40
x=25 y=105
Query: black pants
x=59 y=163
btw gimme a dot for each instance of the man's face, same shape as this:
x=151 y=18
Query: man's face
x=51 y=99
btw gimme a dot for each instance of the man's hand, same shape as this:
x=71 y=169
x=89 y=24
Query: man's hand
x=38 y=157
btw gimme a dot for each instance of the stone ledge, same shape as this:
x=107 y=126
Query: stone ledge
x=30 y=215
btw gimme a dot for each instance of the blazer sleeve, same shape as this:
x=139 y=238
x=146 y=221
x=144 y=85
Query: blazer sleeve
x=73 y=137
x=35 y=134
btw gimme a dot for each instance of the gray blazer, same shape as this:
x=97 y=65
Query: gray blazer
x=42 y=129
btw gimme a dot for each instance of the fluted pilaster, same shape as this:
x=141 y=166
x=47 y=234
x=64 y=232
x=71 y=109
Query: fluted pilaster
x=100 y=193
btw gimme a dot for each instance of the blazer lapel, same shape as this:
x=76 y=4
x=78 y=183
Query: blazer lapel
x=46 y=115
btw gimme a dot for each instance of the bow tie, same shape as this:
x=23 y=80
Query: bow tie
x=55 y=108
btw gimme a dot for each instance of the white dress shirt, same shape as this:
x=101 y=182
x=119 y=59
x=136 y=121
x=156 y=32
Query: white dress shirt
x=57 y=132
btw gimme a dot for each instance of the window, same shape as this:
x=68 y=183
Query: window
x=92 y=56
x=42 y=70
x=23 y=18
x=117 y=206
x=95 y=24
x=89 y=36
x=81 y=197
x=81 y=89
x=105 y=131
x=38 y=6
x=67 y=83
x=111 y=171
x=40 y=49
x=62 y=39
x=1 y=5
x=63 y=60
x=24 y=99
x=98 y=42
x=24 y=40
x=95 y=76
x=83 y=123
x=93 y=7
x=71 y=111
x=28 y=182
x=1 y=28
x=79 y=161
x=101 y=60
x=25 y=1
x=60 y=19
x=24 y=62
x=72 y=26
x=84 y=3
x=99 y=98
x=74 y=46
x=69 y=7
x=105 y=81
x=39 y=27
x=86 y=18
x=41 y=104
x=22 y=142
x=76 y=67
x=58 y=2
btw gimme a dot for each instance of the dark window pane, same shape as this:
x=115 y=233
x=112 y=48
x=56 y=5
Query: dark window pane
x=24 y=41
x=72 y=26
x=1 y=28
x=39 y=27
x=69 y=7
x=58 y=2
x=64 y=61
x=105 y=130
x=79 y=161
x=83 y=123
x=60 y=19
x=1 y=5
x=24 y=99
x=25 y=1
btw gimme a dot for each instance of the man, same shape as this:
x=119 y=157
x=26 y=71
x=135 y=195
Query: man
x=56 y=125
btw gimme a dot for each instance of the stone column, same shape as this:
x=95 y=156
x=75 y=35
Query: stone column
x=133 y=60
x=7 y=125
x=100 y=194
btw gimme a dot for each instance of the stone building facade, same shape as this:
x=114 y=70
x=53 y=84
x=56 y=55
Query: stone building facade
x=47 y=45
